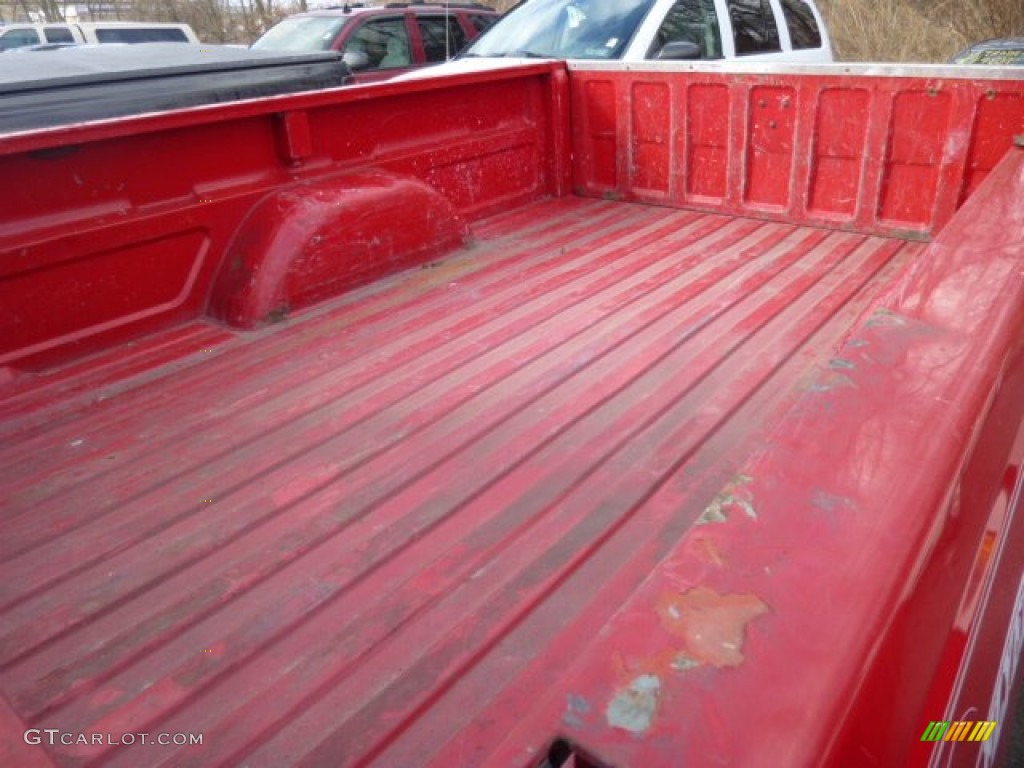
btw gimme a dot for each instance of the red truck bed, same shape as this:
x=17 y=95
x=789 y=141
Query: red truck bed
x=719 y=480
x=318 y=531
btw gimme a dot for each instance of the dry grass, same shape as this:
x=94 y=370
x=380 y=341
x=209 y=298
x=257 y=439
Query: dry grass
x=916 y=30
x=888 y=30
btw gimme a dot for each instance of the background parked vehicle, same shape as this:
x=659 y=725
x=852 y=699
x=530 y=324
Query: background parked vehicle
x=97 y=82
x=638 y=30
x=14 y=36
x=1008 y=51
x=379 y=43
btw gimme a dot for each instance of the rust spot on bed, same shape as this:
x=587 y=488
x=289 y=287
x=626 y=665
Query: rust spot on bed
x=711 y=624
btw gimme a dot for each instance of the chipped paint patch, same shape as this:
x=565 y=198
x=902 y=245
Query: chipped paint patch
x=633 y=709
x=829 y=502
x=712 y=625
x=734 y=495
x=576 y=708
x=712 y=514
x=682 y=663
x=577 y=703
x=831 y=381
x=838 y=363
x=883 y=317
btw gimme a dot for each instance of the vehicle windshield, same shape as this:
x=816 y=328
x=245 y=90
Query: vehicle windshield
x=564 y=29
x=302 y=33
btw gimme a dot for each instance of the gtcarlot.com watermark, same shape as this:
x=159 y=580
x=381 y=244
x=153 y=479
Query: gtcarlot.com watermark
x=55 y=737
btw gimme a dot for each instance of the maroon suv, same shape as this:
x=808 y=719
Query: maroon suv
x=384 y=41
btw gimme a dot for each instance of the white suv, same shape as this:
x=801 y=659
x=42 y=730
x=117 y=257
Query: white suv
x=13 y=36
x=639 y=30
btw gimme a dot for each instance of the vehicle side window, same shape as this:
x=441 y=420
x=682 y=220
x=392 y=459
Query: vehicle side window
x=384 y=41
x=141 y=35
x=753 y=26
x=803 y=29
x=437 y=47
x=58 y=35
x=481 y=23
x=691 y=21
x=18 y=38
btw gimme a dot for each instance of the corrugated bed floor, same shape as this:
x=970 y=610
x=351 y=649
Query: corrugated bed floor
x=400 y=516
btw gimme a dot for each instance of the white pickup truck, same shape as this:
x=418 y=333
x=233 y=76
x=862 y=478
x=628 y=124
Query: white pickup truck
x=639 y=30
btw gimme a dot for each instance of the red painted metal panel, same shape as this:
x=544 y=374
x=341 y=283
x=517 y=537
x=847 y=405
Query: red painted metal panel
x=318 y=239
x=983 y=661
x=385 y=520
x=295 y=136
x=57 y=303
x=997 y=113
x=917 y=133
x=597 y=169
x=707 y=135
x=651 y=133
x=882 y=155
x=146 y=207
x=818 y=597
x=839 y=151
x=771 y=146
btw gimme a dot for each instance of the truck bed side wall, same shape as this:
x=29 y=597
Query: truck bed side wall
x=111 y=230
x=886 y=155
x=115 y=229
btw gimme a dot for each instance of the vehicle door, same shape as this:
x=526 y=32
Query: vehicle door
x=750 y=28
x=441 y=36
x=379 y=48
x=786 y=30
x=803 y=32
x=690 y=22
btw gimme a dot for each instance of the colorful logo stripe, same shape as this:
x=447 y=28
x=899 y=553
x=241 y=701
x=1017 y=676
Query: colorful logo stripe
x=959 y=730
